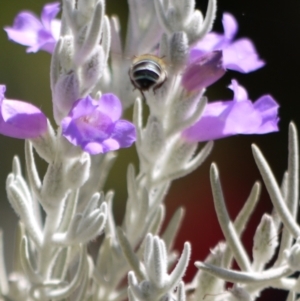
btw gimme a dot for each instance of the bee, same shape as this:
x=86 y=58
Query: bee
x=148 y=71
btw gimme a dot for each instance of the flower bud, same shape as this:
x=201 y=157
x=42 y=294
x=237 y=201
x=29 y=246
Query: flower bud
x=203 y=72
x=179 y=49
x=78 y=173
x=53 y=189
x=265 y=242
x=65 y=94
x=92 y=69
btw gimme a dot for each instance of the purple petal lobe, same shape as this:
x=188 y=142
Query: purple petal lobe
x=28 y=30
x=226 y=118
x=95 y=125
x=241 y=56
x=230 y=26
x=239 y=92
x=124 y=133
x=268 y=108
x=203 y=72
x=110 y=105
x=209 y=43
x=49 y=12
x=2 y=91
x=93 y=148
x=110 y=145
x=83 y=107
x=242 y=118
x=19 y=119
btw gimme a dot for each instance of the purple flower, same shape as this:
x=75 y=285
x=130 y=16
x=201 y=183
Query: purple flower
x=238 y=116
x=203 y=71
x=95 y=126
x=38 y=34
x=20 y=119
x=239 y=55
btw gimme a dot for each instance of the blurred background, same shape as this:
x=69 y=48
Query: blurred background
x=274 y=27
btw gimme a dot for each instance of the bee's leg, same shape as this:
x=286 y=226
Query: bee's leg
x=157 y=87
x=143 y=95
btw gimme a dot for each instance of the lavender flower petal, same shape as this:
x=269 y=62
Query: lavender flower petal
x=95 y=125
x=239 y=116
x=203 y=72
x=49 y=13
x=209 y=43
x=24 y=29
x=28 y=30
x=268 y=108
x=239 y=92
x=124 y=132
x=110 y=145
x=239 y=55
x=19 y=119
x=230 y=26
x=110 y=105
x=83 y=107
x=93 y=148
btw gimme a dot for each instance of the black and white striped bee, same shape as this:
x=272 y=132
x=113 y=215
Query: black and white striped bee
x=148 y=71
